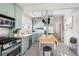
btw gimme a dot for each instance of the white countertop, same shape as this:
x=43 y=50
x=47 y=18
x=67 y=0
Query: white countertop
x=30 y=34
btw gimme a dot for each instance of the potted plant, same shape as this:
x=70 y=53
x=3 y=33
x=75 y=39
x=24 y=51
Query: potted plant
x=15 y=32
x=73 y=42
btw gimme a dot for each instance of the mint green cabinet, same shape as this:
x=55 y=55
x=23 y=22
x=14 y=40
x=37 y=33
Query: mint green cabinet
x=25 y=43
x=37 y=36
x=18 y=16
x=33 y=38
x=7 y=9
x=3 y=9
x=10 y=10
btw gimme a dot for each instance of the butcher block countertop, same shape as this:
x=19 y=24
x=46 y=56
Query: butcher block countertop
x=48 y=39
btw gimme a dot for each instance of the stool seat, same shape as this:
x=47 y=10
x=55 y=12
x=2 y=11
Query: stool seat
x=47 y=48
x=47 y=51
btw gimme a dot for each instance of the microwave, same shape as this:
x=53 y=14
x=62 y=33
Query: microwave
x=6 y=21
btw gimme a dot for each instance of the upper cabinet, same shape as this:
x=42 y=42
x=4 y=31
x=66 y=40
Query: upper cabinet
x=12 y=10
x=2 y=8
x=18 y=17
x=7 y=9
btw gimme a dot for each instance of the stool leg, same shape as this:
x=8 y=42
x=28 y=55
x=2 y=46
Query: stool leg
x=39 y=49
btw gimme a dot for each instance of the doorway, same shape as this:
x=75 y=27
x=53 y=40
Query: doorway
x=58 y=28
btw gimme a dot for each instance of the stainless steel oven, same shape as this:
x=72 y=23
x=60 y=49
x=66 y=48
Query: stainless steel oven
x=10 y=46
x=12 y=51
x=6 y=21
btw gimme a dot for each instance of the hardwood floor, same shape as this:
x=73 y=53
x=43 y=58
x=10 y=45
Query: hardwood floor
x=33 y=51
x=61 y=50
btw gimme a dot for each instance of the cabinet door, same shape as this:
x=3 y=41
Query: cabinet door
x=7 y=9
x=18 y=16
x=24 y=45
x=3 y=9
x=33 y=38
x=10 y=10
x=37 y=36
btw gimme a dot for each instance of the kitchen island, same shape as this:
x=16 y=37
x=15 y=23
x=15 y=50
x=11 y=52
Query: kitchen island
x=47 y=40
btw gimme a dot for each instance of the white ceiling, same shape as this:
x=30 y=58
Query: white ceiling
x=37 y=9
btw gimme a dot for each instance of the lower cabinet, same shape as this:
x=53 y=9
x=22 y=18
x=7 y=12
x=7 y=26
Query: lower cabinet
x=37 y=36
x=25 y=44
x=28 y=41
x=33 y=38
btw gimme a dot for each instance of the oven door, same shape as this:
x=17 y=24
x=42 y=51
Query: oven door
x=13 y=51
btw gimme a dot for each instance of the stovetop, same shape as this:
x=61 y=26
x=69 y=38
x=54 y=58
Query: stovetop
x=4 y=40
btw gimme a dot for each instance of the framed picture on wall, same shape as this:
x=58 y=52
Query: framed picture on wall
x=69 y=23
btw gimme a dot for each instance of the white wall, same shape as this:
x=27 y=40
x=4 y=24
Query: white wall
x=26 y=20
x=67 y=33
x=74 y=31
x=26 y=24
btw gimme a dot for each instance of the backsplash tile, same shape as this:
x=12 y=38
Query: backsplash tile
x=4 y=31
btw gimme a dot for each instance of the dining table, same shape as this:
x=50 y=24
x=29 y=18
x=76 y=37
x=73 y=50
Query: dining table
x=50 y=40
